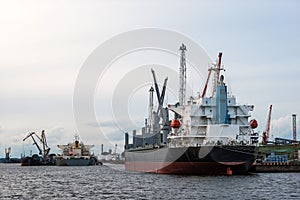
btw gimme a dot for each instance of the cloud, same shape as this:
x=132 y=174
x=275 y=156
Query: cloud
x=55 y=135
x=282 y=127
x=103 y=124
x=112 y=130
x=41 y=61
x=123 y=124
x=1 y=134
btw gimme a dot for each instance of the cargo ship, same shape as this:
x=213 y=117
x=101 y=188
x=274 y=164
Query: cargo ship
x=76 y=154
x=208 y=135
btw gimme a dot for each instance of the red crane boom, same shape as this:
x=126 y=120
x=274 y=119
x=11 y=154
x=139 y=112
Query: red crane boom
x=267 y=131
x=217 y=68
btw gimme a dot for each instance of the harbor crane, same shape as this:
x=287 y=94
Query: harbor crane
x=7 y=154
x=267 y=131
x=45 y=151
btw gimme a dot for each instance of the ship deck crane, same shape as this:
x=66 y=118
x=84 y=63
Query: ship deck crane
x=217 y=68
x=206 y=83
x=267 y=131
x=45 y=151
x=160 y=97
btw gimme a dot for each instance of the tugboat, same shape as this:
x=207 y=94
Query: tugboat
x=76 y=154
x=209 y=134
x=35 y=159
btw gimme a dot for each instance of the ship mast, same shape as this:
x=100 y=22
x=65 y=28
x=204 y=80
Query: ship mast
x=217 y=68
x=150 y=109
x=182 y=76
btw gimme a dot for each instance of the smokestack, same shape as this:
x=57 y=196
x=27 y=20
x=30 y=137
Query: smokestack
x=294 y=128
x=294 y=136
x=126 y=140
x=134 y=138
x=101 y=149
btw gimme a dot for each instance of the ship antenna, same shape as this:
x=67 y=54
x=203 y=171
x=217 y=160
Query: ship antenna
x=182 y=76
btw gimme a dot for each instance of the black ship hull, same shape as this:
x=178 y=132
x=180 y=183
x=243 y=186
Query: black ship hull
x=206 y=160
x=36 y=161
x=31 y=161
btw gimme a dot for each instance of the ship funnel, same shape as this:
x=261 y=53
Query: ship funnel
x=221 y=104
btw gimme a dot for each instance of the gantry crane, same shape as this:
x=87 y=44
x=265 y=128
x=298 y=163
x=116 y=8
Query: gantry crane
x=45 y=151
x=267 y=131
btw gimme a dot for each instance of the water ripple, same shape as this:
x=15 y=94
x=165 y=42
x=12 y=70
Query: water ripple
x=113 y=182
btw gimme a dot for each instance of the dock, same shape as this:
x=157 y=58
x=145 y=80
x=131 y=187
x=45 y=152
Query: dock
x=277 y=158
x=276 y=167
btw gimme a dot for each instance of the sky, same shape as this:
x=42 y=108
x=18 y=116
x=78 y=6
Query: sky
x=46 y=44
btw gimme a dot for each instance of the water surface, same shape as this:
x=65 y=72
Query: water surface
x=113 y=182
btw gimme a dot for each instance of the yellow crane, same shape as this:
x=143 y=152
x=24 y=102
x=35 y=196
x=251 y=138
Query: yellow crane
x=45 y=151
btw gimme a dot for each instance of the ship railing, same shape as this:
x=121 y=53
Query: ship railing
x=192 y=141
x=220 y=141
x=174 y=145
x=175 y=136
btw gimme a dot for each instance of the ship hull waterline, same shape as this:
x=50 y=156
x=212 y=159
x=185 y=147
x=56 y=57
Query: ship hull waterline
x=75 y=162
x=208 y=160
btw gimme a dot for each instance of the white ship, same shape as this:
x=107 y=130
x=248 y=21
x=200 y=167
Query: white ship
x=76 y=154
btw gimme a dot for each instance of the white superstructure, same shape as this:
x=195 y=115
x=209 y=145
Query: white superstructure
x=75 y=154
x=214 y=119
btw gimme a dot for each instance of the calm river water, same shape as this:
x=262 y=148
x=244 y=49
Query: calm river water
x=113 y=182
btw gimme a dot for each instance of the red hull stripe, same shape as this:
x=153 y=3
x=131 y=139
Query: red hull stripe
x=188 y=167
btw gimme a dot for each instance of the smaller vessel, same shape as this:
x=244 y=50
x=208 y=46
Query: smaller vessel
x=76 y=154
